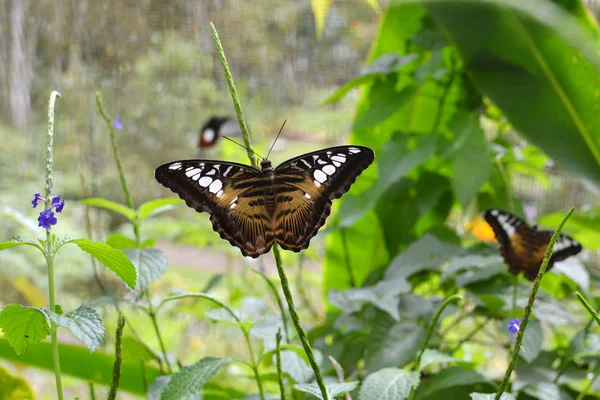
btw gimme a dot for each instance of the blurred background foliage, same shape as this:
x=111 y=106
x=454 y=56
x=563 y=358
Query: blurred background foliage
x=468 y=105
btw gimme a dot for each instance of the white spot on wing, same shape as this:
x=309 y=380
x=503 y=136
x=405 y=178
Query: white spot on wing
x=353 y=150
x=307 y=195
x=320 y=176
x=215 y=186
x=306 y=163
x=339 y=158
x=195 y=177
x=205 y=181
x=504 y=221
x=211 y=172
x=233 y=205
x=227 y=170
x=329 y=169
x=337 y=164
x=220 y=193
x=208 y=135
x=192 y=172
x=494 y=213
x=176 y=165
x=317 y=184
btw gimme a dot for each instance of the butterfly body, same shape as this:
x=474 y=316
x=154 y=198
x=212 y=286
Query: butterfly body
x=523 y=247
x=253 y=209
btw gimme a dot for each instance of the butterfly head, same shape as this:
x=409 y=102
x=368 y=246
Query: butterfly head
x=265 y=165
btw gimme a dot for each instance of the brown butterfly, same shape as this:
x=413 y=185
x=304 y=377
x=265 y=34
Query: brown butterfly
x=253 y=209
x=523 y=247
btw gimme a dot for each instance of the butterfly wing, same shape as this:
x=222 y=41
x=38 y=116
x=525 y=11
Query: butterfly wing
x=219 y=188
x=523 y=248
x=306 y=185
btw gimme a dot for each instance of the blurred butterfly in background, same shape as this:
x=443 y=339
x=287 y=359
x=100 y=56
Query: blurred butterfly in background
x=253 y=209
x=523 y=247
x=214 y=128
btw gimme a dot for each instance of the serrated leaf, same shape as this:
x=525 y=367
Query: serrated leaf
x=547 y=391
x=393 y=344
x=294 y=365
x=334 y=389
x=113 y=259
x=150 y=265
x=112 y=206
x=470 y=260
x=383 y=295
x=190 y=380
x=17 y=242
x=155 y=207
x=431 y=356
x=388 y=384
x=492 y=396
x=84 y=323
x=449 y=378
x=532 y=339
x=23 y=327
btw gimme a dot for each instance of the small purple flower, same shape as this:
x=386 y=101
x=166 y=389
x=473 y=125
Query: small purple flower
x=117 y=124
x=513 y=326
x=58 y=203
x=37 y=197
x=47 y=219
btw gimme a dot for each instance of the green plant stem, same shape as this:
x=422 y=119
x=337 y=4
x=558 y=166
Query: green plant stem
x=514 y=297
x=235 y=97
x=163 y=349
x=588 y=307
x=351 y=274
x=92 y=391
x=445 y=304
x=113 y=142
x=301 y=291
x=49 y=246
x=296 y=321
x=279 y=370
x=254 y=365
x=279 y=302
x=284 y=282
x=112 y=395
x=529 y=307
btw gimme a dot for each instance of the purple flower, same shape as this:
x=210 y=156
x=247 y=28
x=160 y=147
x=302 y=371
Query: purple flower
x=58 y=203
x=513 y=326
x=47 y=219
x=37 y=197
x=117 y=124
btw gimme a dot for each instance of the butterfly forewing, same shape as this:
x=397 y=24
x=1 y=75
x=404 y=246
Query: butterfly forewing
x=252 y=209
x=220 y=189
x=306 y=187
x=523 y=247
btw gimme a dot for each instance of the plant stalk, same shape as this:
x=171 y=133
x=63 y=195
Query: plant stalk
x=529 y=307
x=49 y=246
x=112 y=395
x=279 y=370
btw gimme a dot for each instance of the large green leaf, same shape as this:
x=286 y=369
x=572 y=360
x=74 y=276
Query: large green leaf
x=334 y=389
x=79 y=363
x=389 y=384
x=191 y=380
x=112 y=206
x=393 y=344
x=539 y=63
x=84 y=323
x=150 y=265
x=446 y=379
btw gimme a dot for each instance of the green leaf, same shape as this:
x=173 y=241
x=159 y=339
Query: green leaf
x=547 y=391
x=385 y=101
x=154 y=207
x=427 y=253
x=431 y=357
x=447 y=379
x=120 y=241
x=472 y=164
x=492 y=396
x=112 y=206
x=334 y=389
x=470 y=260
x=320 y=9
x=296 y=367
x=84 y=323
x=190 y=380
x=534 y=53
x=391 y=345
x=383 y=295
x=23 y=327
x=14 y=388
x=532 y=340
x=113 y=259
x=384 y=65
x=388 y=384
x=17 y=241
x=581 y=225
x=150 y=265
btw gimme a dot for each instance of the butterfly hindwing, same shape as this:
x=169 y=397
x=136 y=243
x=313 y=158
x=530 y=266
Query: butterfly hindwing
x=309 y=184
x=220 y=189
x=523 y=247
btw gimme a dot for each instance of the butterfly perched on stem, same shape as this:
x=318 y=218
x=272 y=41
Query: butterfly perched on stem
x=523 y=247
x=254 y=209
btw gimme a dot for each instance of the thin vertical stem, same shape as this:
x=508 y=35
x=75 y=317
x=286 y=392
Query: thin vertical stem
x=529 y=307
x=351 y=274
x=112 y=395
x=49 y=246
x=279 y=370
x=163 y=349
x=254 y=365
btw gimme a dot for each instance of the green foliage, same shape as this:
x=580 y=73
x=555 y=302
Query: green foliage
x=23 y=327
x=14 y=388
x=84 y=323
x=388 y=384
x=150 y=265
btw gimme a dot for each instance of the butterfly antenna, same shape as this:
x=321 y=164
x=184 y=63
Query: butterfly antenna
x=241 y=145
x=280 y=129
